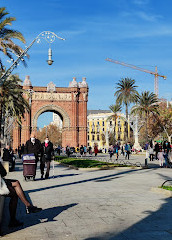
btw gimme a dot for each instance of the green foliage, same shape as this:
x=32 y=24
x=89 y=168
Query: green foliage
x=53 y=132
x=167 y=188
x=86 y=163
x=7 y=45
x=126 y=93
x=147 y=104
x=13 y=104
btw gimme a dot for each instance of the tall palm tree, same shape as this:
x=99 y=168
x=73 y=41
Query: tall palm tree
x=115 y=108
x=126 y=94
x=147 y=103
x=7 y=45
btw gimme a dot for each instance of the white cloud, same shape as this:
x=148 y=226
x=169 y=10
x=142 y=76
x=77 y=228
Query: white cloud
x=141 y=15
x=141 y=2
x=147 y=17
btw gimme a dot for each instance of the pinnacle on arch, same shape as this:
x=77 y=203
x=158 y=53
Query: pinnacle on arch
x=27 y=81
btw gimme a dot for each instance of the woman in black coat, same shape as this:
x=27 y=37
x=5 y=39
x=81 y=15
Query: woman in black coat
x=47 y=152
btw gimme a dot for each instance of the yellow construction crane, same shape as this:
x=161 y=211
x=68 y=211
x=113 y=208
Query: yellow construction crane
x=143 y=70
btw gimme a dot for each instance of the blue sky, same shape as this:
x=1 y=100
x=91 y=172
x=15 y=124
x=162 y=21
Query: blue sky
x=138 y=32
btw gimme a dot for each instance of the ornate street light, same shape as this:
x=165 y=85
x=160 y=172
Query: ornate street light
x=46 y=35
x=50 y=61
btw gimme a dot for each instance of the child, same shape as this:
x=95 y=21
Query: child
x=161 y=158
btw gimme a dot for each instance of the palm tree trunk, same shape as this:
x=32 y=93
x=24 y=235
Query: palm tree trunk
x=146 y=130
x=126 y=113
x=0 y=127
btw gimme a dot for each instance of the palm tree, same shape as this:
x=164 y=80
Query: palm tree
x=115 y=108
x=12 y=102
x=126 y=94
x=7 y=46
x=147 y=103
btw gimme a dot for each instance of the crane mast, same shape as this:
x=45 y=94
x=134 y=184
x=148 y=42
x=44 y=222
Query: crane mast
x=156 y=75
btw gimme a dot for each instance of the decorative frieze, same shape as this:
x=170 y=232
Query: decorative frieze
x=51 y=96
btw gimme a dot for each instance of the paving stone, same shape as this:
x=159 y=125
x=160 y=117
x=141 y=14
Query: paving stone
x=108 y=204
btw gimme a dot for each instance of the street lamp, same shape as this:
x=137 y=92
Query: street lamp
x=50 y=61
x=46 y=35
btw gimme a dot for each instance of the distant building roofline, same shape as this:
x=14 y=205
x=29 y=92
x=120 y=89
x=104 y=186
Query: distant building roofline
x=97 y=111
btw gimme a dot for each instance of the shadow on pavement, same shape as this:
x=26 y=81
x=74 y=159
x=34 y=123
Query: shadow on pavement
x=46 y=215
x=97 y=179
x=154 y=226
x=57 y=176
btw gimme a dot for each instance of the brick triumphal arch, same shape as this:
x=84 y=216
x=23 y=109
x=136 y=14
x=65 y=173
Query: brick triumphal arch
x=70 y=103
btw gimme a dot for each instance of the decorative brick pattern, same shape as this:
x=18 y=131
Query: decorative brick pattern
x=73 y=112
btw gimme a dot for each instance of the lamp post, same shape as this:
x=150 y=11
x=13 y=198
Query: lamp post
x=46 y=35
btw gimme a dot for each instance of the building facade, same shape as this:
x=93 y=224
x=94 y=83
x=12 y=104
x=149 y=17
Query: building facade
x=99 y=128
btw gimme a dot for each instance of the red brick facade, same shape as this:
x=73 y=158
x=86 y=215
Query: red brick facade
x=70 y=103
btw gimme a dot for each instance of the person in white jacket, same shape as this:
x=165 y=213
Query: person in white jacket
x=161 y=158
x=151 y=152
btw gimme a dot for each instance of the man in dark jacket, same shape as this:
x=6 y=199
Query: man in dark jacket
x=33 y=145
x=156 y=150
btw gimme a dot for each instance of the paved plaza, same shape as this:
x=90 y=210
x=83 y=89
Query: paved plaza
x=102 y=204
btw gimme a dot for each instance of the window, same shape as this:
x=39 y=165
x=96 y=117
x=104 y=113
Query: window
x=103 y=129
x=103 y=123
x=98 y=138
x=88 y=137
x=93 y=137
x=110 y=123
x=98 y=123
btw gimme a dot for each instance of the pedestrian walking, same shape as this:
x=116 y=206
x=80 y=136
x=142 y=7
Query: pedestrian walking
x=116 y=149
x=95 y=150
x=8 y=157
x=127 y=151
x=46 y=157
x=81 y=150
x=166 y=157
x=33 y=145
x=110 y=150
x=161 y=158
x=19 y=151
x=68 y=151
x=59 y=150
x=151 y=152
x=122 y=150
x=90 y=150
x=85 y=150
x=156 y=150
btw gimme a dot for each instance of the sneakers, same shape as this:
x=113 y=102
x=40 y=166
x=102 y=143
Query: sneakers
x=32 y=209
x=15 y=223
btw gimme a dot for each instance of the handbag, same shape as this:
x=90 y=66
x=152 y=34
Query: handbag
x=3 y=188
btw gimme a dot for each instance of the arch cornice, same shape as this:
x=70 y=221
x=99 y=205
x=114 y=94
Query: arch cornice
x=51 y=107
